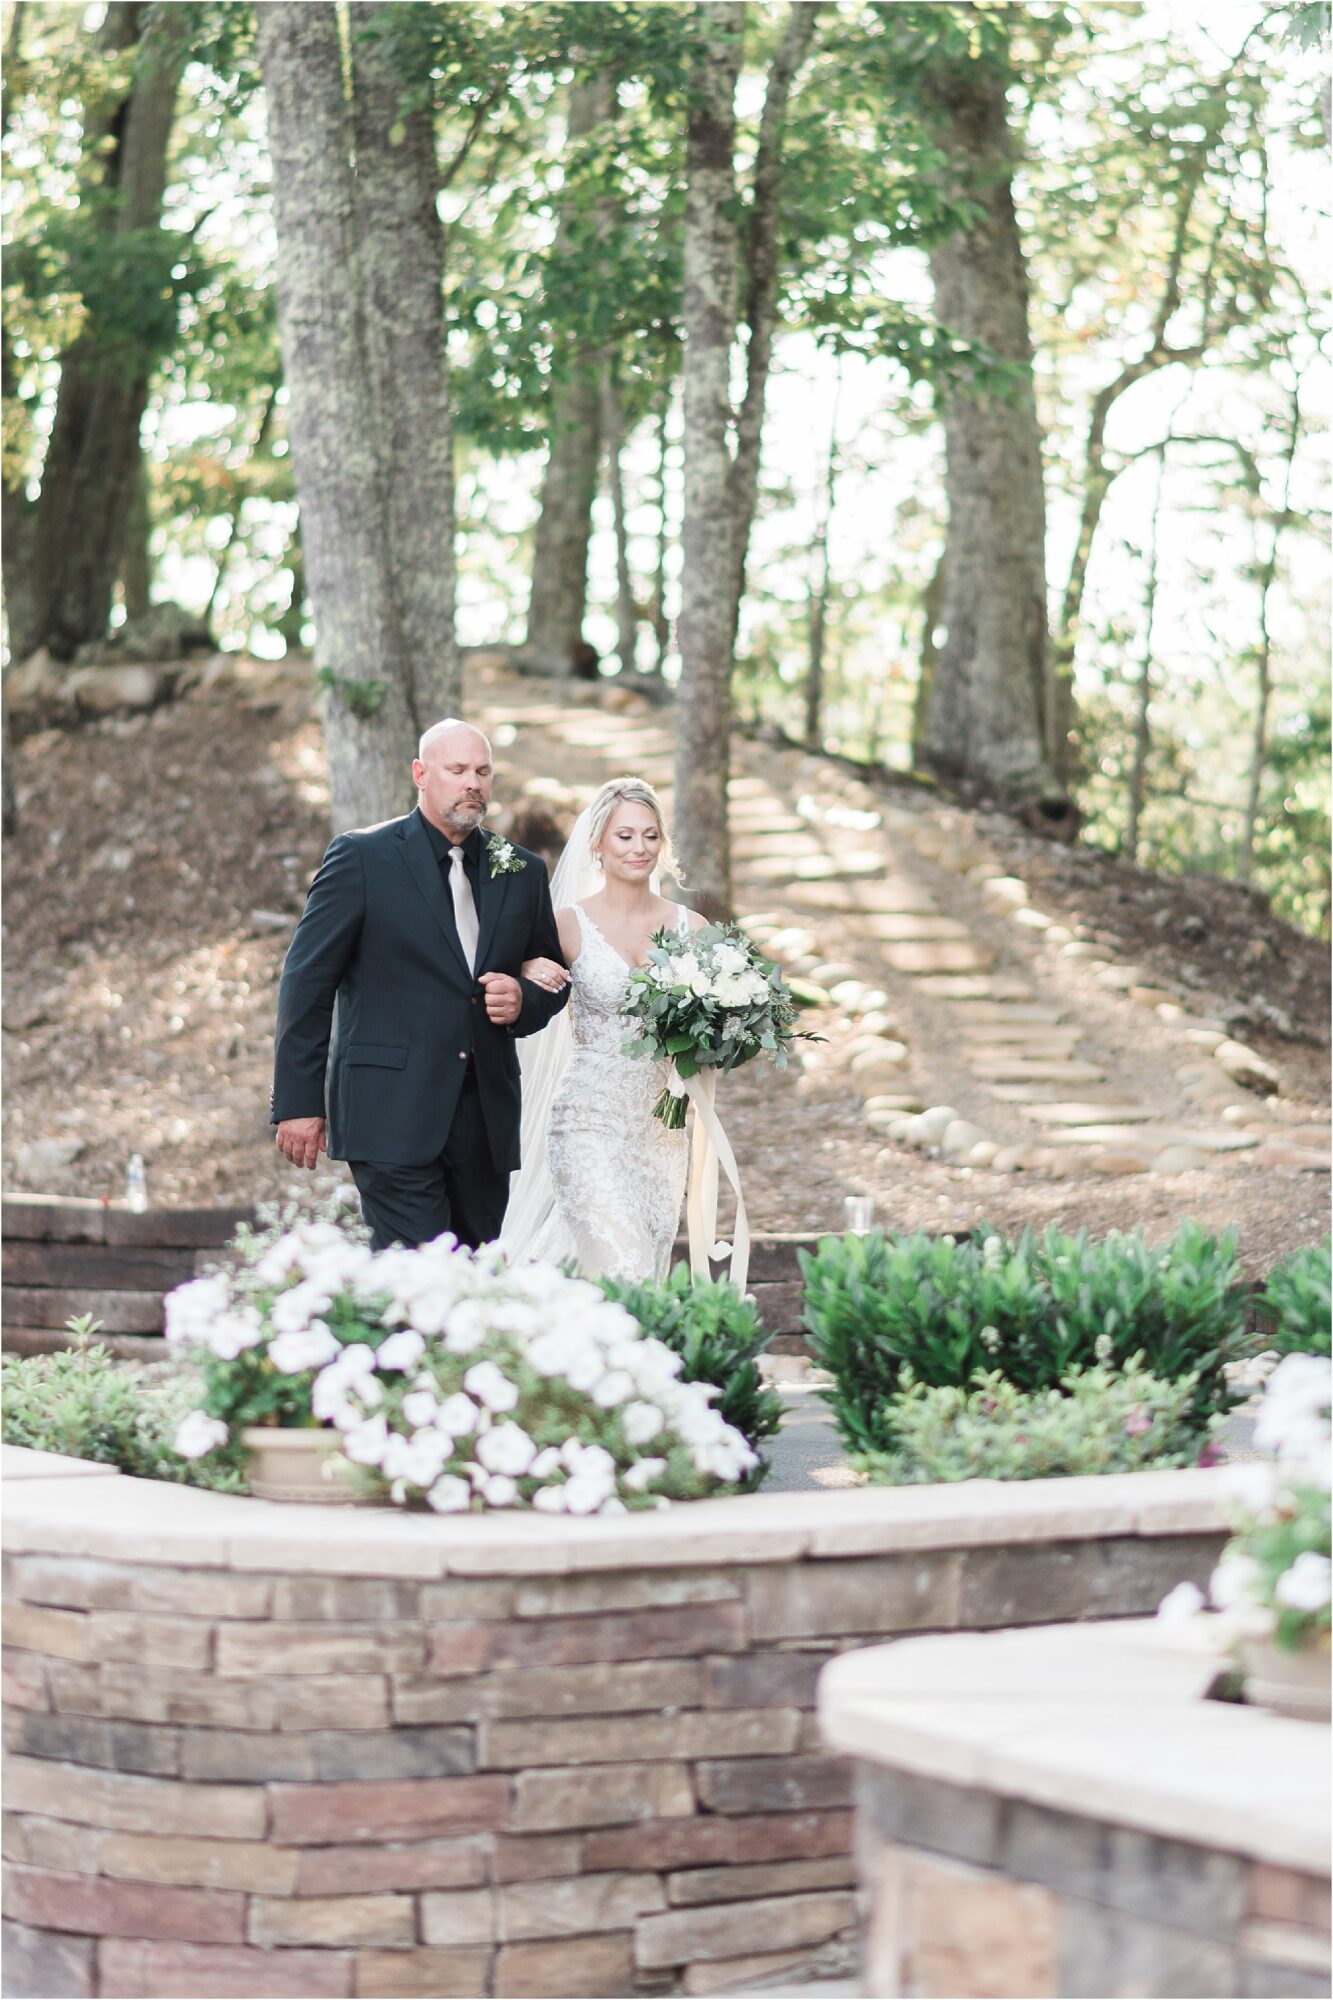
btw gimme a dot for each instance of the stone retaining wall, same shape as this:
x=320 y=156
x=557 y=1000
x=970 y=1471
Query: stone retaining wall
x=267 y=1750
x=1065 y=1813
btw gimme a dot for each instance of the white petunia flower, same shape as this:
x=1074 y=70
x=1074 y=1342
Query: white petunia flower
x=491 y=1386
x=191 y=1308
x=507 y=1449
x=614 y=1388
x=450 y=1495
x=307 y=1347
x=400 y=1350
x=641 y=1476
x=197 y=1434
x=499 y=1491
x=365 y=1443
x=466 y=1327
x=585 y=1492
x=545 y=1463
x=457 y=1414
x=419 y=1407
x=641 y=1421
x=549 y=1499
x=1305 y=1586
x=234 y=1332
x=1182 y=1604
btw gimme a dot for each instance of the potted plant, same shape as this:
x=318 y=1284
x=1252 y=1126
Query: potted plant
x=1271 y=1586
x=439 y=1376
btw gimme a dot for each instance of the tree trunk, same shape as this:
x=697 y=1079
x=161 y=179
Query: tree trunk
x=402 y=269
x=932 y=601
x=988 y=712
x=331 y=413
x=136 y=563
x=559 y=593
x=1264 y=652
x=709 y=321
x=627 y=611
x=1138 y=777
x=761 y=286
x=92 y=461
x=819 y=587
x=661 y=623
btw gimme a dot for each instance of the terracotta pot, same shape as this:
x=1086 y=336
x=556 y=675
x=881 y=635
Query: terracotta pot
x=297 y=1465
x=1289 y=1683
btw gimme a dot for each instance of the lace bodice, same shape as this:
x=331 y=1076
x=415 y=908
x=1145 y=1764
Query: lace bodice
x=600 y=982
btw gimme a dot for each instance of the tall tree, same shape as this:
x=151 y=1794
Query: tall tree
x=332 y=412
x=988 y=712
x=402 y=271
x=63 y=554
x=707 y=534
x=559 y=593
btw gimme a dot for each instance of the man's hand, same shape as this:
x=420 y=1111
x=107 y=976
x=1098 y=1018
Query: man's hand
x=504 y=998
x=301 y=1140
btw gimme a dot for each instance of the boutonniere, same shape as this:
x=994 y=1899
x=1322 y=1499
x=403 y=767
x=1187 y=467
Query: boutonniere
x=501 y=856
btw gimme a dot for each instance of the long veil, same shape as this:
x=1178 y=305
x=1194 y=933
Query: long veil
x=543 y=1059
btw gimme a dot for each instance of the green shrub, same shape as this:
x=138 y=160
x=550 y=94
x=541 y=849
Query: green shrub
x=717 y=1335
x=1031 y=1309
x=1100 y=1419
x=1297 y=1299
x=83 y=1403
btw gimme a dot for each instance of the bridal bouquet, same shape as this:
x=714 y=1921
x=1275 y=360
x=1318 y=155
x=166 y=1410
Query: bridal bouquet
x=453 y=1381
x=709 y=1001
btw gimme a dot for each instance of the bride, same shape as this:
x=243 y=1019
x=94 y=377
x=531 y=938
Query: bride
x=602 y=1178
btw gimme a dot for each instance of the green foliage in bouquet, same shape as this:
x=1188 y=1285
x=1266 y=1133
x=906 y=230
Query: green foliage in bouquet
x=1032 y=1308
x=1099 y=1419
x=1297 y=1298
x=83 y=1403
x=718 y=1336
x=709 y=1001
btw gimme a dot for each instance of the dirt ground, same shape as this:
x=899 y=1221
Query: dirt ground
x=161 y=861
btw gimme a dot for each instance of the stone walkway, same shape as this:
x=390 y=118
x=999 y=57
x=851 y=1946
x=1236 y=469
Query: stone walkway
x=1009 y=1043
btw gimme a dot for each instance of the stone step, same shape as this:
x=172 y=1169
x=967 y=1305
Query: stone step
x=1065 y=1113
x=1000 y=1012
x=1001 y=1069
x=941 y=956
x=1154 y=1138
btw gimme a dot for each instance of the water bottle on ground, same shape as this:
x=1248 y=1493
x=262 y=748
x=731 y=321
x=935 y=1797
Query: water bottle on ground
x=136 y=1185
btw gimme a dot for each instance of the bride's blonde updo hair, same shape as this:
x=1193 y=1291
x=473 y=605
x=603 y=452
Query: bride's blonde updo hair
x=630 y=792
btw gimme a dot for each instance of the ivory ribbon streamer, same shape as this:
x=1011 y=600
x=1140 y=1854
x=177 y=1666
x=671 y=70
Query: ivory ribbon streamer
x=711 y=1148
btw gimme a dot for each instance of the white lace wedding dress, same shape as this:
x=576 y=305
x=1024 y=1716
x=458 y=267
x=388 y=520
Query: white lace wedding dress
x=617 y=1173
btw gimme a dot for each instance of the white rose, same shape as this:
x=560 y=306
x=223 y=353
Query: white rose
x=491 y=1386
x=401 y=1350
x=507 y=1449
x=308 y=1347
x=685 y=969
x=641 y=1421
x=197 y=1434
x=450 y=1495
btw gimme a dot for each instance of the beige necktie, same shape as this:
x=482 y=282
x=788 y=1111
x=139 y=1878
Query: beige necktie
x=465 y=910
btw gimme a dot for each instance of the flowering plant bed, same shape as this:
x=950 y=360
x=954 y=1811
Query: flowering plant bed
x=450 y=1379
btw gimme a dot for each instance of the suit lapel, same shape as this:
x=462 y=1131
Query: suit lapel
x=493 y=889
x=425 y=870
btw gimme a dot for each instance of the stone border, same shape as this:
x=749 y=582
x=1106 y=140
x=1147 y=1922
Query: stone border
x=1062 y=1812
x=175 y=1524
x=279 y=1749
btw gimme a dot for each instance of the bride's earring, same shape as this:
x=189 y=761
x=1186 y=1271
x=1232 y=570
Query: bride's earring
x=597 y=863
